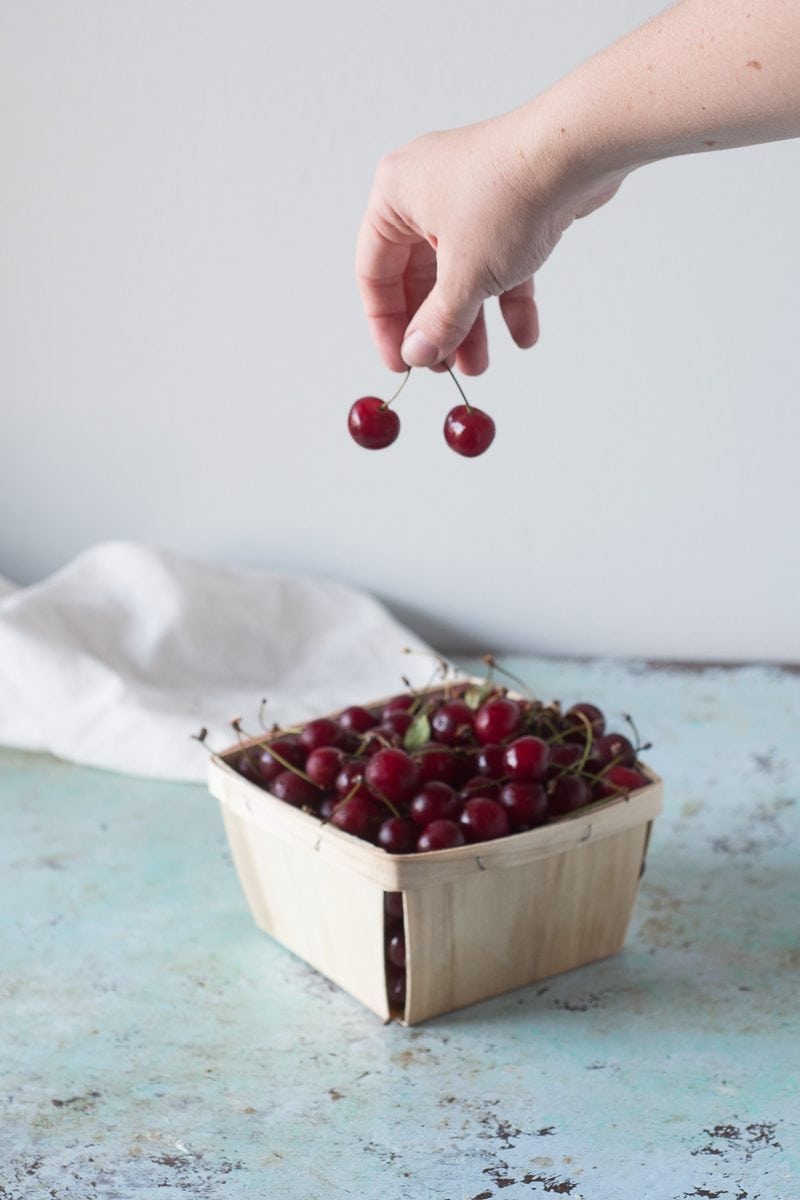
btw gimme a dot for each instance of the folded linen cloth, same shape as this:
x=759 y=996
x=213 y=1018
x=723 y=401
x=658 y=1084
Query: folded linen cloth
x=118 y=657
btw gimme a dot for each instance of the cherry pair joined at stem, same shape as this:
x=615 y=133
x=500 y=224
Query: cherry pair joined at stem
x=374 y=425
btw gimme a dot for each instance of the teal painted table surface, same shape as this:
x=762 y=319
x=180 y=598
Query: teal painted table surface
x=155 y=1044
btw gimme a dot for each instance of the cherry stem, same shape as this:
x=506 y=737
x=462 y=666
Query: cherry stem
x=493 y=665
x=386 y=403
x=287 y=766
x=615 y=762
x=348 y=795
x=384 y=800
x=588 y=744
x=423 y=702
x=442 y=668
x=367 y=737
x=639 y=744
x=419 y=697
x=236 y=725
x=202 y=737
x=560 y=734
x=458 y=385
x=547 y=717
x=559 y=771
x=356 y=785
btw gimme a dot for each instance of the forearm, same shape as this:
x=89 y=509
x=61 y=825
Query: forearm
x=705 y=74
x=458 y=216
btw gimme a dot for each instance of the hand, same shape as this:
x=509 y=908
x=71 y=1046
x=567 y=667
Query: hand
x=457 y=217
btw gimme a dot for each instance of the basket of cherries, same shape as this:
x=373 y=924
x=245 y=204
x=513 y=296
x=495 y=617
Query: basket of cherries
x=443 y=845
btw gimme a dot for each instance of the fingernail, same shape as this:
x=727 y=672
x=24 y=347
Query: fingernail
x=417 y=351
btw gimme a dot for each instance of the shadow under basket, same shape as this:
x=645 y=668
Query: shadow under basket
x=478 y=920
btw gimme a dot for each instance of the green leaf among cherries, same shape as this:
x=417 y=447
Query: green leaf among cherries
x=475 y=695
x=418 y=733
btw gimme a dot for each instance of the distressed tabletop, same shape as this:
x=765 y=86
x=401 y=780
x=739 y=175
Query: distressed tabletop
x=155 y=1044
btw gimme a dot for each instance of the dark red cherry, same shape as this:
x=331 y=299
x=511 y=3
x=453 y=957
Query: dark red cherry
x=398 y=835
x=527 y=759
x=328 y=805
x=396 y=950
x=295 y=790
x=322 y=732
x=479 y=785
x=567 y=794
x=617 y=780
x=490 y=761
x=400 y=703
x=564 y=754
x=395 y=722
x=483 y=820
x=372 y=424
x=360 y=815
x=525 y=803
x=393 y=774
x=468 y=430
x=323 y=766
x=497 y=720
x=247 y=765
x=350 y=772
x=627 y=777
x=440 y=835
x=466 y=764
x=396 y=986
x=357 y=719
x=288 y=750
x=452 y=723
x=393 y=905
x=435 y=801
x=436 y=763
x=349 y=741
x=576 y=727
x=614 y=747
x=379 y=738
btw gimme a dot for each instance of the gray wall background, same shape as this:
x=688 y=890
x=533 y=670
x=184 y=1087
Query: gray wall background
x=181 y=334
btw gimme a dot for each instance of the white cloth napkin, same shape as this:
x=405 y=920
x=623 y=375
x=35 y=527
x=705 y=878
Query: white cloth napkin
x=117 y=658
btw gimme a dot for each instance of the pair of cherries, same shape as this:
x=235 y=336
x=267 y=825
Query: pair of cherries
x=374 y=425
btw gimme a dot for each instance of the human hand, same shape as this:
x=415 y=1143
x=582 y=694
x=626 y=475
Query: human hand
x=455 y=218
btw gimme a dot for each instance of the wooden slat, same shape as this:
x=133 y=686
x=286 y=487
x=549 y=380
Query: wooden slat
x=481 y=935
x=331 y=917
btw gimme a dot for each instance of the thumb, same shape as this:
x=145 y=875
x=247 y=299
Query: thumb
x=441 y=323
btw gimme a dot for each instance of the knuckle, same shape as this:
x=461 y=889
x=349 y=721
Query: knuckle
x=452 y=324
x=491 y=281
x=386 y=171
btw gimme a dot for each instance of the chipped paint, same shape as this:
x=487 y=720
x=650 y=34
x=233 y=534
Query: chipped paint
x=156 y=1045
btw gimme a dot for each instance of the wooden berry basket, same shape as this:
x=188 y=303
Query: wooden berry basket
x=479 y=920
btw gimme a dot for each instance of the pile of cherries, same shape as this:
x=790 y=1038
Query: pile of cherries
x=435 y=770
x=374 y=424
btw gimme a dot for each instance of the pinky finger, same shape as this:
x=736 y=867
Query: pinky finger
x=520 y=314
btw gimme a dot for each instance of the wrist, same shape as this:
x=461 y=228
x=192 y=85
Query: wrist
x=566 y=139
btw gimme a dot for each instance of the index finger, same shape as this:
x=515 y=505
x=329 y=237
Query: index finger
x=380 y=266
